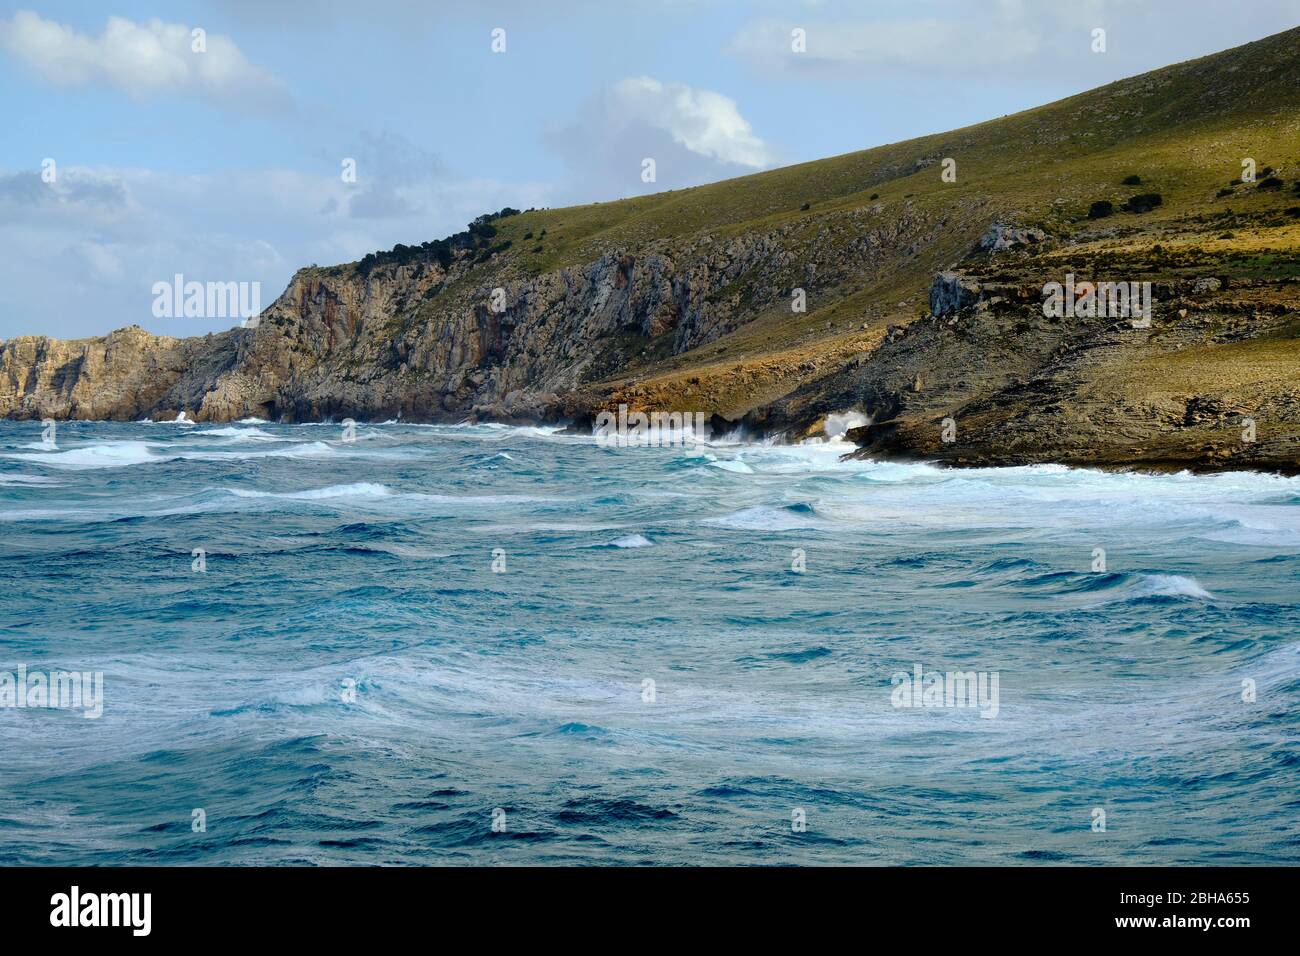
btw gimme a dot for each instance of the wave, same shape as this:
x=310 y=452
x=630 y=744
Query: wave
x=730 y=464
x=631 y=541
x=310 y=449
x=230 y=431
x=23 y=480
x=762 y=518
x=1170 y=586
x=116 y=454
x=124 y=454
x=359 y=489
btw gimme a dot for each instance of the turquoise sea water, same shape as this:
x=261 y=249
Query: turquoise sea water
x=350 y=681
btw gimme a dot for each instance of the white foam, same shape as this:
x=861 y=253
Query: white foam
x=360 y=489
x=310 y=449
x=231 y=431
x=632 y=541
x=839 y=423
x=1169 y=585
x=764 y=519
x=732 y=465
x=114 y=454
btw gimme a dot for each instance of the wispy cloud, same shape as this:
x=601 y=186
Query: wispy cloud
x=141 y=59
x=865 y=46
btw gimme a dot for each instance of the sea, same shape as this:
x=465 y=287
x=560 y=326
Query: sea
x=400 y=644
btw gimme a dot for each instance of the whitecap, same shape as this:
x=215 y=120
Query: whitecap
x=116 y=454
x=767 y=519
x=732 y=465
x=1168 y=585
x=359 y=489
x=230 y=431
x=310 y=449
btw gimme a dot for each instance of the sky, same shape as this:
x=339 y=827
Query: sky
x=134 y=149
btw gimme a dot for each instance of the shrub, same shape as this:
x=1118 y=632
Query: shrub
x=805 y=207
x=1143 y=202
x=441 y=251
x=1222 y=192
x=1101 y=209
x=1272 y=182
x=1132 y=180
x=875 y=195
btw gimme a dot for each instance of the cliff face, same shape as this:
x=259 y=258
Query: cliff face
x=123 y=375
x=866 y=282
x=435 y=343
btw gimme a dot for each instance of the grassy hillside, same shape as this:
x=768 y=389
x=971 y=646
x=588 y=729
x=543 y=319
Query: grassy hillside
x=1186 y=127
x=1183 y=130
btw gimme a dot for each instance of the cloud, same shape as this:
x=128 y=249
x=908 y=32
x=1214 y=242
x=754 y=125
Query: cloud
x=1013 y=42
x=854 y=45
x=141 y=59
x=704 y=122
x=693 y=135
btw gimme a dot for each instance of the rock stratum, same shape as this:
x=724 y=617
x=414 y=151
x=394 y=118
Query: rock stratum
x=924 y=298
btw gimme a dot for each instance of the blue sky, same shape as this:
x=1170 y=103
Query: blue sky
x=225 y=165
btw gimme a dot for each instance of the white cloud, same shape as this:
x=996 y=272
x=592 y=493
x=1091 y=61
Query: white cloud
x=142 y=59
x=703 y=121
x=693 y=135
